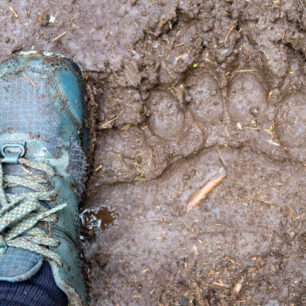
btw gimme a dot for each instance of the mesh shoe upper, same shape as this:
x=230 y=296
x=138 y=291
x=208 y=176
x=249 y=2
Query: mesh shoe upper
x=41 y=105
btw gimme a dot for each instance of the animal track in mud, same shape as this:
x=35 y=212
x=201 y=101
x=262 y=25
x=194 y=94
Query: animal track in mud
x=262 y=196
x=118 y=159
x=205 y=98
x=167 y=119
x=182 y=122
x=247 y=98
x=173 y=123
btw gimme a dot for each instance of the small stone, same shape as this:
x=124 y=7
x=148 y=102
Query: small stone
x=254 y=111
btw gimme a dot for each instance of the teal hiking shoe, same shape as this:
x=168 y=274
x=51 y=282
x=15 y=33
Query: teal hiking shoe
x=43 y=147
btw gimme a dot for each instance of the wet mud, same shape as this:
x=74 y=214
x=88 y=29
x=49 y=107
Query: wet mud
x=182 y=91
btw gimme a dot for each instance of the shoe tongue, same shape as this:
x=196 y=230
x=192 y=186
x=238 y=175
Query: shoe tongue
x=13 y=169
x=18 y=264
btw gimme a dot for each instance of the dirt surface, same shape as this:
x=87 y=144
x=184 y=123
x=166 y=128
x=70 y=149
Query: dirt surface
x=184 y=90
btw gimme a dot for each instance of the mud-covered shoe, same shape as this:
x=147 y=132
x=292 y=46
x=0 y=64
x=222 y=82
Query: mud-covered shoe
x=42 y=169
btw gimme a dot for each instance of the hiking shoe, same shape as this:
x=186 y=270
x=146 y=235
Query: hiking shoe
x=42 y=151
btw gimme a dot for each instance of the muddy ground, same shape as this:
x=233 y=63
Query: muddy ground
x=184 y=90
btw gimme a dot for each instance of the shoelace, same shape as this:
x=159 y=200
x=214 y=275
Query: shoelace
x=21 y=212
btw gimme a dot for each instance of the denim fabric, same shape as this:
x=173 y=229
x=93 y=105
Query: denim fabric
x=40 y=290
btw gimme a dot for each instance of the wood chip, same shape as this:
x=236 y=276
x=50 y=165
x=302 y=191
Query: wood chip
x=237 y=288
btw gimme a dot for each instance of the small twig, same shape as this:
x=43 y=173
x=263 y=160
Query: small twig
x=32 y=83
x=221 y=158
x=14 y=12
x=221 y=284
x=179 y=45
x=59 y=36
x=272 y=142
x=202 y=193
x=161 y=23
x=98 y=168
x=102 y=125
x=2 y=74
x=118 y=77
x=126 y=127
x=136 y=25
x=245 y=70
x=229 y=32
